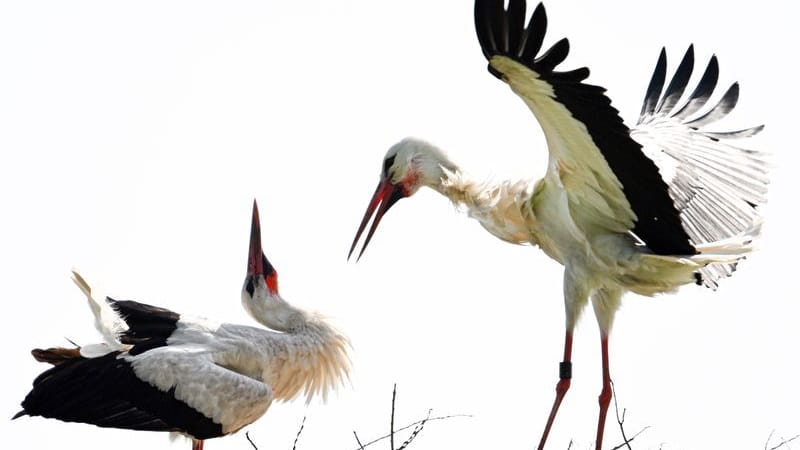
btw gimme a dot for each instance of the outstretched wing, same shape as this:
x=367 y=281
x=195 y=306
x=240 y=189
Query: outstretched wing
x=716 y=185
x=610 y=184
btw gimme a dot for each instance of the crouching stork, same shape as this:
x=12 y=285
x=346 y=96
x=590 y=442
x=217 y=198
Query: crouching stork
x=162 y=371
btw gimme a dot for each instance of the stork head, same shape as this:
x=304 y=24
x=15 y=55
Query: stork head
x=407 y=166
x=261 y=276
x=260 y=296
x=261 y=282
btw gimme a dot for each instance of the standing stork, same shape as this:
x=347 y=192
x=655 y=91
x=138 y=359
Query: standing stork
x=644 y=209
x=162 y=371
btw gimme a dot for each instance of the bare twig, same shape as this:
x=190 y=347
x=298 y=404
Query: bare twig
x=416 y=431
x=247 y=435
x=418 y=426
x=627 y=441
x=363 y=446
x=360 y=445
x=620 y=420
x=409 y=426
x=391 y=424
x=781 y=443
x=302 y=424
x=294 y=446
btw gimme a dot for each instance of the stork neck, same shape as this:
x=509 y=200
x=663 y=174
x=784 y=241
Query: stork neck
x=275 y=313
x=459 y=188
x=502 y=208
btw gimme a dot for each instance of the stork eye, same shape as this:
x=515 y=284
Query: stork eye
x=387 y=164
x=250 y=287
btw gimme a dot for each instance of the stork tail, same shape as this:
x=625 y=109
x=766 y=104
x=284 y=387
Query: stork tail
x=106 y=320
x=56 y=355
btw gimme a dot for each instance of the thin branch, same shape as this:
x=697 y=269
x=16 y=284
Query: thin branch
x=247 y=435
x=391 y=424
x=360 y=445
x=363 y=446
x=781 y=443
x=627 y=441
x=620 y=420
x=416 y=431
x=418 y=426
x=302 y=424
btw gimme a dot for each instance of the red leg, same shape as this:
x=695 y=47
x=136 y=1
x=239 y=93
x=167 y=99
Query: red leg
x=605 y=394
x=197 y=444
x=565 y=375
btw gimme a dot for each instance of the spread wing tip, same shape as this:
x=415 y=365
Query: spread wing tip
x=667 y=104
x=502 y=32
x=678 y=83
x=655 y=86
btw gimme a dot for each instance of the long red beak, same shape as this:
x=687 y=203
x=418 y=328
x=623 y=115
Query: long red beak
x=386 y=195
x=255 y=259
x=257 y=263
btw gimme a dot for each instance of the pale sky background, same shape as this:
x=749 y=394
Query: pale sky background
x=135 y=136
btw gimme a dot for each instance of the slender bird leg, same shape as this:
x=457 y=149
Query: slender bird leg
x=605 y=394
x=197 y=444
x=565 y=375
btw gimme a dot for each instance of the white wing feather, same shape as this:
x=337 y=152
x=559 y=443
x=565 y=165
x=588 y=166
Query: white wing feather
x=576 y=165
x=716 y=186
x=227 y=397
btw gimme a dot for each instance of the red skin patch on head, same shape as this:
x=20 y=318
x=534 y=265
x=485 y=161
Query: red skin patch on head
x=409 y=182
x=272 y=282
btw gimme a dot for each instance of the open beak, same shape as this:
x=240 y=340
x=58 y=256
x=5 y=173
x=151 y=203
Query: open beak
x=255 y=259
x=386 y=195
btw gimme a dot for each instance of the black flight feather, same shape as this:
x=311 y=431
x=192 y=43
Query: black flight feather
x=658 y=222
x=106 y=392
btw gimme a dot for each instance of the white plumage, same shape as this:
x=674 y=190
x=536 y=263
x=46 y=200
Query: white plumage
x=644 y=210
x=715 y=184
x=161 y=371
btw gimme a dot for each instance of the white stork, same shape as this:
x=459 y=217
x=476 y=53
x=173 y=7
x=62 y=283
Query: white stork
x=162 y=371
x=644 y=209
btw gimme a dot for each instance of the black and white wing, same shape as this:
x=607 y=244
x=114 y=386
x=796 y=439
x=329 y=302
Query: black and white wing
x=716 y=185
x=149 y=375
x=163 y=389
x=106 y=392
x=179 y=355
x=610 y=184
